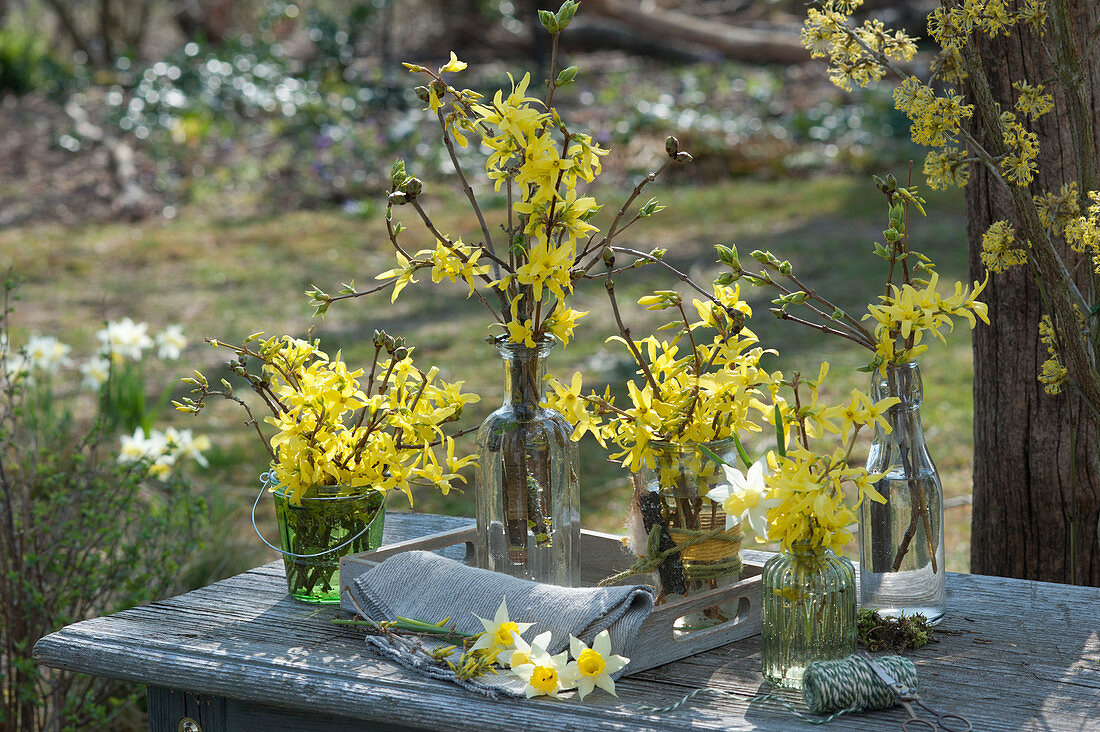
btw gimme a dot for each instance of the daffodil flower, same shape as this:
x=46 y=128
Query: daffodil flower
x=548 y=677
x=522 y=653
x=593 y=666
x=499 y=630
x=743 y=499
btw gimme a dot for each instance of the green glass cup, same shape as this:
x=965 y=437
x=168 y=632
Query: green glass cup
x=328 y=523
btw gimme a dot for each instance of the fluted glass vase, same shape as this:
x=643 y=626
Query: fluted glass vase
x=676 y=489
x=901 y=554
x=528 y=497
x=807 y=613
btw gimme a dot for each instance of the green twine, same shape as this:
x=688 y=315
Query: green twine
x=654 y=558
x=831 y=688
x=851 y=684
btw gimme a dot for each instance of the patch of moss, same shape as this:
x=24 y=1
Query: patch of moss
x=877 y=633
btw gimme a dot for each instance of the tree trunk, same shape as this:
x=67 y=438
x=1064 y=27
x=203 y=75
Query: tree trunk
x=1036 y=474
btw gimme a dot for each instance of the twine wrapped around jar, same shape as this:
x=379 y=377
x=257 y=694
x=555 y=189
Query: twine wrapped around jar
x=713 y=557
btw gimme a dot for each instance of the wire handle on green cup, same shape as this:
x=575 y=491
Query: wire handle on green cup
x=266 y=479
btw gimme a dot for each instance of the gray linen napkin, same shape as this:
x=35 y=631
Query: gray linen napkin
x=429 y=587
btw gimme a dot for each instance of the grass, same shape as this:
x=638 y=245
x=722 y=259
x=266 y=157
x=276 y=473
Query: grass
x=228 y=278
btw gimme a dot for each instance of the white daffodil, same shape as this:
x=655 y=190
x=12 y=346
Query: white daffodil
x=154 y=447
x=498 y=631
x=549 y=676
x=170 y=342
x=743 y=499
x=15 y=368
x=592 y=667
x=124 y=339
x=46 y=353
x=134 y=447
x=522 y=653
x=183 y=443
x=96 y=371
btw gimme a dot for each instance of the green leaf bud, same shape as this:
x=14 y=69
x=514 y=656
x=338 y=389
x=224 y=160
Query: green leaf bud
x=566 y=76
x=683 y=157
x=565 y=14
x=397 y=173
x=439 y=87
x=608 y=257
x=725 y=279
x=397 y=198
x=785 y=268
x=591 y=213
x=651 y=207
x=728 y=255
x=422 y=93
x=672 y=146
x=400 y=353
x=413 y=187
x=549 y=21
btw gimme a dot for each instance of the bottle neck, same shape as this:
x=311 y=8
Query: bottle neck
x=903 y=382
x=524 y=374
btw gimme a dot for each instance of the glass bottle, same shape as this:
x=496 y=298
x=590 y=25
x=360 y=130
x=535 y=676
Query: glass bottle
x=901 y=567
x=807 y=612
x=528 y=498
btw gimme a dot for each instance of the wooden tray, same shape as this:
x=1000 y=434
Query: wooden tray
x=602 y=555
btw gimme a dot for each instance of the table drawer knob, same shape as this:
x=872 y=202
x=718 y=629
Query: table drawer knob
x=188 y=725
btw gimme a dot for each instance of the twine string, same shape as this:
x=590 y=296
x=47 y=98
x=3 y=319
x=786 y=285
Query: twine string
x=830 y=688
x=654 y=557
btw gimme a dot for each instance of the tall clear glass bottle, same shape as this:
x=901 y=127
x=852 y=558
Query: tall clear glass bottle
x=528 y=497
x=901 y=555
x=807 y=613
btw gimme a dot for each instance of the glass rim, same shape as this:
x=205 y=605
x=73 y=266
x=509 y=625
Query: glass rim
x=353 y=492
x=541 y=347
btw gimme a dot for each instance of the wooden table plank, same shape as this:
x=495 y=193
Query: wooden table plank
x=1013 y=655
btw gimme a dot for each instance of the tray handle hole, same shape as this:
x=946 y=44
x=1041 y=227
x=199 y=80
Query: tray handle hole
x=713 y=619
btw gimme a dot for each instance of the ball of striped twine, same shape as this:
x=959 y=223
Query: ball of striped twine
x=850 y=684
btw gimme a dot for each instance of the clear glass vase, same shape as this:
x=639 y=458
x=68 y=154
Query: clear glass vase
x=528 y=497
x=901 y=567
x=328 y=522
x=682 y=477
x=807 y=613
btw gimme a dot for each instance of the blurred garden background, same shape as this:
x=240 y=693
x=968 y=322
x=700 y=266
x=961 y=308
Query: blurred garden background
x=205 y=162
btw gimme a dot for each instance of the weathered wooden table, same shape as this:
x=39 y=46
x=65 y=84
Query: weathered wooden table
x=241 y=655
